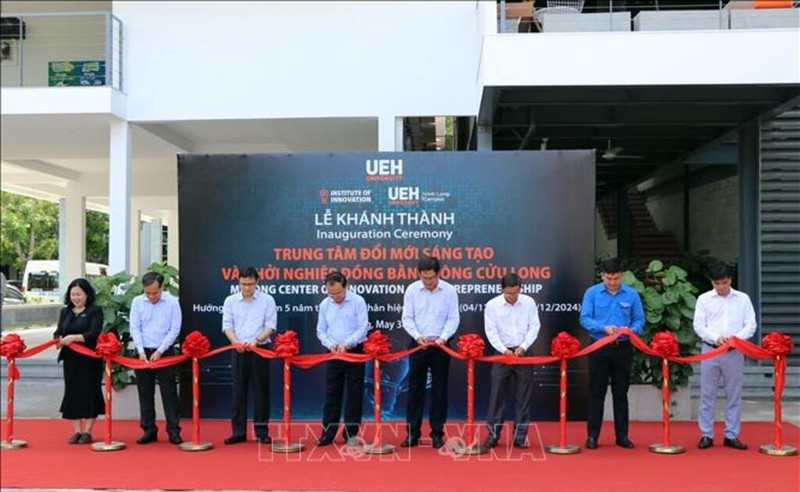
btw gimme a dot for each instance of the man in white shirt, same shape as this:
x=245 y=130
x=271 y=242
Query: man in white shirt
x=721 y=313
x=512 y=323
x=342 y=327
x=155 y=323
x=249 y=318
x=430 y=315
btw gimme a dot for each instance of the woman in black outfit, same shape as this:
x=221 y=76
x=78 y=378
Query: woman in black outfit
x=80 y=321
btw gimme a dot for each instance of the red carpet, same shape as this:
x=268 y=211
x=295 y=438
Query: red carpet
x=49 y=462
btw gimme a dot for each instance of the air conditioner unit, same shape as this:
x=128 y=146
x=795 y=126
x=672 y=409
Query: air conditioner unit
x=12 y=28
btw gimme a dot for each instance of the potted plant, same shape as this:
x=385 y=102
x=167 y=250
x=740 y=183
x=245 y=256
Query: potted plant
x=669 y=299
x=114 y=294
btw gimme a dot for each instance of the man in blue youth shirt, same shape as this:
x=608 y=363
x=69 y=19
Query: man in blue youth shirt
x=607 y=307
x=342 y=327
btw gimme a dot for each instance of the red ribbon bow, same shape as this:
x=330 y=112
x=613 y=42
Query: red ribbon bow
x=377 y=344
x=108 y=345
x=287 y=345
x=665 y=344
x=195 y=345
x=777 y=343
x=471 y=346
x=12 y=346
x=564 y=346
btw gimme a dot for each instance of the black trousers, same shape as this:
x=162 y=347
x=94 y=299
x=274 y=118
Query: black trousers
x=250 y=371
x=343 y=378
x=503 y=377
x=439 y=364
x=146 y=386
x=612 y=362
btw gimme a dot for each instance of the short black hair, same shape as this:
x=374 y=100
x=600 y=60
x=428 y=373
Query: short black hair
x=85 y=286
x=509 y=280
x=719 y=271
x=249 y=272
x=611 y=265
x=336 y=277
x=429 y=263
x=150 y=278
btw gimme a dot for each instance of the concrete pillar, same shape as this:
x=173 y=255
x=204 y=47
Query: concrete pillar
x=390 y=134
x=119 y=198
x=484 y=137
x=173 y=250
x=156 y=246
x=749 y=168
x=71 y=236
x=135 y=266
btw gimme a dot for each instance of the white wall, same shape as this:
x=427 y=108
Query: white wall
x=53 y=38
x=770 y=56
x=238 y=60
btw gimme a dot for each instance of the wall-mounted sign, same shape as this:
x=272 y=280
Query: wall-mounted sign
x=76 y=73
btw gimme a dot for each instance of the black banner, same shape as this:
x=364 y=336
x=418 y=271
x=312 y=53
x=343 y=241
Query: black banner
x=296 y=217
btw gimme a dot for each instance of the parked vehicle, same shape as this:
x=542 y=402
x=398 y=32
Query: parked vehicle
x=40 y=281
x=13 y=295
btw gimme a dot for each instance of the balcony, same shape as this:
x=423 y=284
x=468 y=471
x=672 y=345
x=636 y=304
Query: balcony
x=632 y=15
x=61 y=49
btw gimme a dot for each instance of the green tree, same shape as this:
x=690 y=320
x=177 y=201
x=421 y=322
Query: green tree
x=28 y=230
x=96 y=237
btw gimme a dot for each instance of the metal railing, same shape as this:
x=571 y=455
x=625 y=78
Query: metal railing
x=63 y=49
x=552 y=16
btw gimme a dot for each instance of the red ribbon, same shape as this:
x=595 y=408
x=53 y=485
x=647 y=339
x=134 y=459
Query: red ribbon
x=471 y=346
x=11 y=347
x=377 y=343
x=564 y=346
x=286 y=344
x=195 y=345
x=108 y=345
x=776 y=343
x=665 y=344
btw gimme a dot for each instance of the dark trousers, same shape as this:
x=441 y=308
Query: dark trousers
x=250 y=371
x=611 y=362
x=146 y=386
x=343 y=378
x=503 y=377
x=439 y=364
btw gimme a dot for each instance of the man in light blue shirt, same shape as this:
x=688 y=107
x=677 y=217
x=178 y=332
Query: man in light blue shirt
x=430 y=315
x=607 y=307
x=512 y=323
x=155 y=322
x=249 y=318
x=342 y=327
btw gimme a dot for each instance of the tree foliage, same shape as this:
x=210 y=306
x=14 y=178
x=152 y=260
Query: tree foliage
x=28 y=230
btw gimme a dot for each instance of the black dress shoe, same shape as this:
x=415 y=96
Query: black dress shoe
x=490 y=442
x=235 y=439
x=437 y=442
x=325 y=441
x=147 y=438
x=705 y=442
x=520 y=444
x=264 y=439
x=410 y=442
x=734 y=443
x=624 y=442
x=591 y=443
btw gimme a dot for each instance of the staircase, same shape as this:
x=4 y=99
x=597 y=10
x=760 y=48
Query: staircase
x=646 y=241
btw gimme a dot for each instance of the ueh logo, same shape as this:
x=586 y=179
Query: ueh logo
x=384 y=169
x=403 y=195
x=323 y=196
